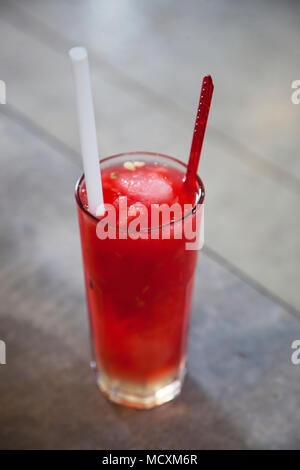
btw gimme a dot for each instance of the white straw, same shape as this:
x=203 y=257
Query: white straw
x=87 y=130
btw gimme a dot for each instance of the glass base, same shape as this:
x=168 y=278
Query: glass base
x=143 y=396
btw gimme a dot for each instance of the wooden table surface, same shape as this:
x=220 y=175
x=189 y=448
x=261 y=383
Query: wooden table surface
x=242 y=391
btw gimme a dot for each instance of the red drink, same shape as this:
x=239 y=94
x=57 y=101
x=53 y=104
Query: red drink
x=139 y=291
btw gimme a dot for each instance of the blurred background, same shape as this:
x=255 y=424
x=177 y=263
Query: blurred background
x=147 y=61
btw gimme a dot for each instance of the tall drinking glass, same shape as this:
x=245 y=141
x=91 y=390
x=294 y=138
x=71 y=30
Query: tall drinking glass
x=139 y=295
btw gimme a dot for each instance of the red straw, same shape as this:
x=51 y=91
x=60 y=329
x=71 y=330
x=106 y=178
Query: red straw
x=199 y=130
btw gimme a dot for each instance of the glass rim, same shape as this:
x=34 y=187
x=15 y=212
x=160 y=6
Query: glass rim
x=196 y=206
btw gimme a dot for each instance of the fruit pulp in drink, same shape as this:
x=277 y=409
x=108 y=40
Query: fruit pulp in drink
x=139 y=291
